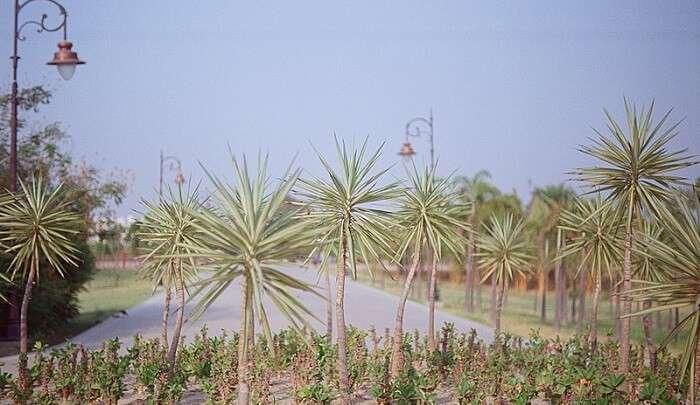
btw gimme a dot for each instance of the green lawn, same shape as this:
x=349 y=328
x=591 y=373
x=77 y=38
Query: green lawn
x=110 y=291
x=519 y=313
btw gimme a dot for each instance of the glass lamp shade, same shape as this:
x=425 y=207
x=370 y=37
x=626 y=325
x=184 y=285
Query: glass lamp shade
x=65 y=60
x=66 y=71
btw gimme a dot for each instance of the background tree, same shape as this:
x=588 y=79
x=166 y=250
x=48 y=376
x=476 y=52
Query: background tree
x=636 y=173
x=429 y=218
x=476 y=191
x=36 y=225
x=596 y=239
x=168 y=231
x=245 y=235
x=44 y=151
x=504 y=253
x=349 y=213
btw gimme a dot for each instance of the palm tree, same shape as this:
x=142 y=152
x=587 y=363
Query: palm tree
x=543 y=214
x=637 y=173
x=504 y=253
x=36 y=226
x=348 y=212
x=477 y=191
x=246 y=234
x=678 y=254
x=167 y=230
x=428 y=218
x=595 y=237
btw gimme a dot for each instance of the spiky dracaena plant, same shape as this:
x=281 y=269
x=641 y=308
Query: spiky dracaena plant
x=247 y=234
x=596 y=237
x=430 y=216
x=678 y=254
x=37 y=225
x=348 y=211
x=504 y=252
x=636 y=173
x=167 y=231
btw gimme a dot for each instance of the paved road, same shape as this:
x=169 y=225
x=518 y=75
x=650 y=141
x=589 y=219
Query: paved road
x=364 y=306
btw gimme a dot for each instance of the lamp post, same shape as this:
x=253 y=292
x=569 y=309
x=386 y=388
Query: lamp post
x=416 y=128
x=171 y=163
x=66 y=61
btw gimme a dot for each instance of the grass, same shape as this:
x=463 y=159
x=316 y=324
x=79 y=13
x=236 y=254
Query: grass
x=109 y=292
x=520 y=316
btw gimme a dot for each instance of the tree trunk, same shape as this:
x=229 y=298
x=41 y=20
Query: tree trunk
x=329 y=307
x=23 y=332
x=499 y=308
x=469 y=276
x=558 y=287
x=543 y=276
x=494 y=298
x=616 y=307
x=180 y=294
x=648 y=341
x=626 y=304
x=431 y=304
x=594 y=314
x=477 y=275
x=581 y=314
x=396 y=353
x=243 y=394
x=340 y=324
x=166 y=314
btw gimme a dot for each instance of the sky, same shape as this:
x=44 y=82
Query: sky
x=515 y=87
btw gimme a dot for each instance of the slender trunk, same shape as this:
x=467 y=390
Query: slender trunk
x=243 y=394
x=558 y=288
x=581 y=314
x=166 y=314
x=543 y=276
x=477 y=275
x=23 y=335
x=469 y=276
x=648 y=341
x=431 y=304
x=494 y=292
x=594 y=314
x=499 y=307
x=616 y=307
x=340 y=324
x=180 y=294
x=24 y=310
x=329 y=307
x=626 y=304
x=396 y=353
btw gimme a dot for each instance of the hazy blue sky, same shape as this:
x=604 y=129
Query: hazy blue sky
x=515 y=86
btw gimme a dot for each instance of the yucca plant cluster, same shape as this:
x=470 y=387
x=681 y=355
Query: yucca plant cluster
x=632 y=227
x=300 y=368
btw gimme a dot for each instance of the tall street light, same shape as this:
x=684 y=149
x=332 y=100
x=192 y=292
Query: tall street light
x=65 y=60
x=170 y=163
x=416 y=128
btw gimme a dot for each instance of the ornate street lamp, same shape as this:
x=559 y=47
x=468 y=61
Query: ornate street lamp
x=170 y=163
x=65 y=60
x=416 y=128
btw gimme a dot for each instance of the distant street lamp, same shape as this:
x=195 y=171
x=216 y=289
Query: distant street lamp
x=416 y=128
x=65 y=61
x=170 y=163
